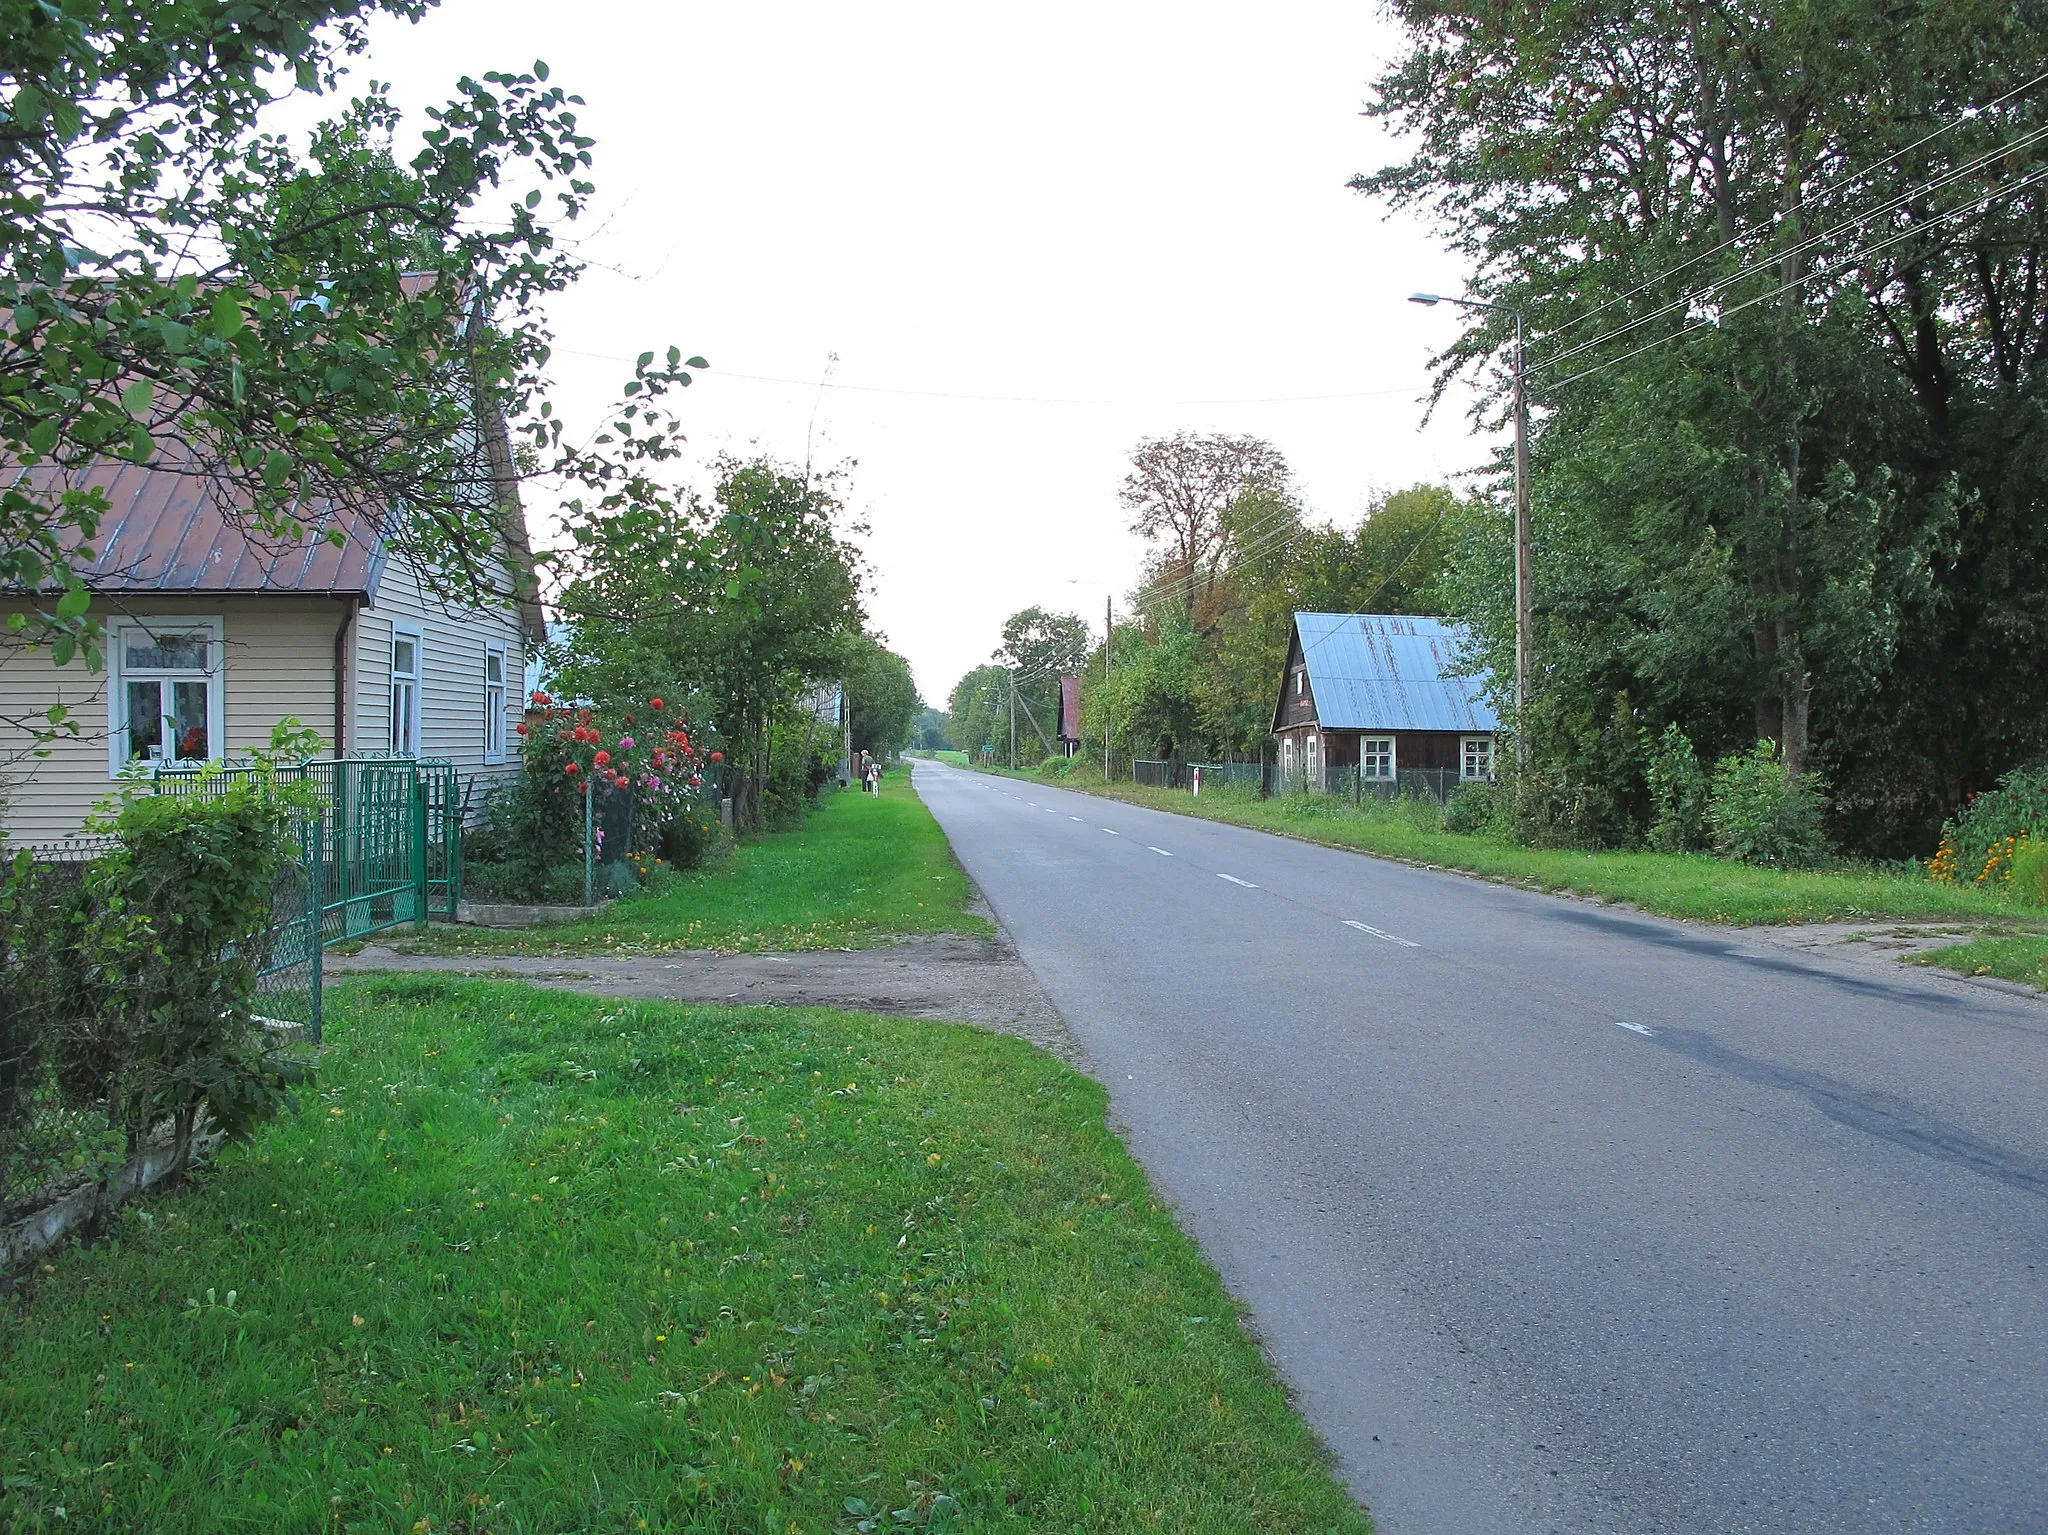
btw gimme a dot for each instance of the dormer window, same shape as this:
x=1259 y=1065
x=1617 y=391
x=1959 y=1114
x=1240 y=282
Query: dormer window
x=1301 y=682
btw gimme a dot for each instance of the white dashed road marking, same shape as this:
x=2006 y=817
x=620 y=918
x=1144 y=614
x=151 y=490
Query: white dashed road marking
x=1113 y=833
x=1406 y=943
x=1636 y=1028
x=1073 y=818
x=1236 y=881
x=1162 y=852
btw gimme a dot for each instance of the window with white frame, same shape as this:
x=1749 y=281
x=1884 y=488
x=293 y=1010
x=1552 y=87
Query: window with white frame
x=494 y=703
x=1477 y=758
x=407 y=646
x=1376 y=757
x=1301 y=682
x=166 y=701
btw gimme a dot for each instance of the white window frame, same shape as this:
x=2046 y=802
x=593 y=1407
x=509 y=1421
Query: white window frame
x=1300 y=683
x=1466 y=754
x=1312 y=760
x=119 y=675
x=1368 y=749
x=494 y=703
x=410 y=747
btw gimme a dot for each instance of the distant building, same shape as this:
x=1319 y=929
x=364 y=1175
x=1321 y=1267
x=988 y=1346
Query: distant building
x=1070 y=716
x=1389 y=695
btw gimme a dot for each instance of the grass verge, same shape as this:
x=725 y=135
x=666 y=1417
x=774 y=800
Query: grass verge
x=530 y=1262
x=1688 y=886
x=2022 y=959
x=859 y=869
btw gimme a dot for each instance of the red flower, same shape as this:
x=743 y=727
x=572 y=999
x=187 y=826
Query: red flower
x=654 y=703
x=696 y=782
x=602 y=758
x=718 y=756
x=542 y=699
x=521 y=728
x=570 y=767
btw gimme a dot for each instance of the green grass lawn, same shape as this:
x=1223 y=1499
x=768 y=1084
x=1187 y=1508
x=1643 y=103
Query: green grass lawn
x=1690 y=886
x=859 y=869
x=532 y=1262
x=2013 y=959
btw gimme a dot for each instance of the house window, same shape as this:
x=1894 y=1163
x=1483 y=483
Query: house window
x=165 y=703
x=494 y=703
x=406 y=645
x=1301 y=683
x=1376 y=757
x=1477 y=758
x=1313 y=758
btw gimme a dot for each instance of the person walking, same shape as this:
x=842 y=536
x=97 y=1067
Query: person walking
x=874 y=779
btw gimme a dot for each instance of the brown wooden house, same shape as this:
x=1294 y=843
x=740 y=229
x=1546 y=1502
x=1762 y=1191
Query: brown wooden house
x=1386 y=694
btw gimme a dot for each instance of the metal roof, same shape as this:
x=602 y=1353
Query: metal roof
x=1371 y=671
x=173 y=528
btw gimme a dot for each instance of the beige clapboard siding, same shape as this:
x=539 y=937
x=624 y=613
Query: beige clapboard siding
x=278 y=661
x=452 y=685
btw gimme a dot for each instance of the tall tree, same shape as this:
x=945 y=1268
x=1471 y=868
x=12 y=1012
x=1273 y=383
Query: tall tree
x=1040 y=648
x=1179 y=493
x=1782 y=266
x=749 y=599
x=881 y=698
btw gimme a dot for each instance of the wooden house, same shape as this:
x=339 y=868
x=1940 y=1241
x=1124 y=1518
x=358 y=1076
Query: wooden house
x=1389 y=695
x=212 y=636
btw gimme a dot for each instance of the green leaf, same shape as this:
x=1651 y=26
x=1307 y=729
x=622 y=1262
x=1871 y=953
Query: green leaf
x=696 y=362
x=645 y=359
x=533 y=198
x=43 y=435
x=74 y=602
x=137 y=396
x=277 y=469
x=62 y=649
x=227 y=315
x=177 y=336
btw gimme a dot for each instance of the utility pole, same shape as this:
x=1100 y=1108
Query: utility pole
x=1012 y=675
x=1525 y=586
x=1525 y=579
x=1108 y=632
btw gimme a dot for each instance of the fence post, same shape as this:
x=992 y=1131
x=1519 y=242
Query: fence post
x=419 y=848
x=589 y=853
x=341 y=823
x=453 y=834
x=316 y=923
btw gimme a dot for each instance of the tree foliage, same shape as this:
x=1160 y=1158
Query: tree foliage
x=335 y=326
x=881 y=698
x=749 y=597
x=1783 y=267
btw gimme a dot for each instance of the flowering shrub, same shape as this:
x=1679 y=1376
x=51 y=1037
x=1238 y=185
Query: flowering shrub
x=1978 y=841
x=639 y=768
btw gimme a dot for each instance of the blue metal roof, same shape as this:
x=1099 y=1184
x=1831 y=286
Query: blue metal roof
x=1372 y=671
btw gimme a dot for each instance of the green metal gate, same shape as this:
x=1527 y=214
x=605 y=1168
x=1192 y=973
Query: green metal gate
x=383 y=849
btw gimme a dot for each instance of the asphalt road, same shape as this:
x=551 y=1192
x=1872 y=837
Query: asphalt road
x=1559 y=1218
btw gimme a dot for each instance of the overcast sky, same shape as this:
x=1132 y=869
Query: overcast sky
x=1031 y=236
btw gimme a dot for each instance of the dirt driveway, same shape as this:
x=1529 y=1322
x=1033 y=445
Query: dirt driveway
x=980 y=981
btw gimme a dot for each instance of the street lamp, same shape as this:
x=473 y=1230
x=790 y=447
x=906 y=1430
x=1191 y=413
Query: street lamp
x=1524 y=579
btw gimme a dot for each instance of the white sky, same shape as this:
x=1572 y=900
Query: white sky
x=1031 y=236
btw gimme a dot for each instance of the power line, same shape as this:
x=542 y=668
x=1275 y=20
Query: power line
x=1974 y=205
x=1017 y=399
x=1969 y=114
x=1821 y=237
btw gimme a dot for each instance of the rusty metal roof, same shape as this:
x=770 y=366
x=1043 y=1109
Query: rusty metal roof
x=1371 y=671
x=172 y=527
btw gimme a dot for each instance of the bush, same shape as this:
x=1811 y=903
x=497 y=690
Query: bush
x=1479 y=810
x=2029 y=873
x=1978 y=840
x=1760 y=814
x=1678 y=792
